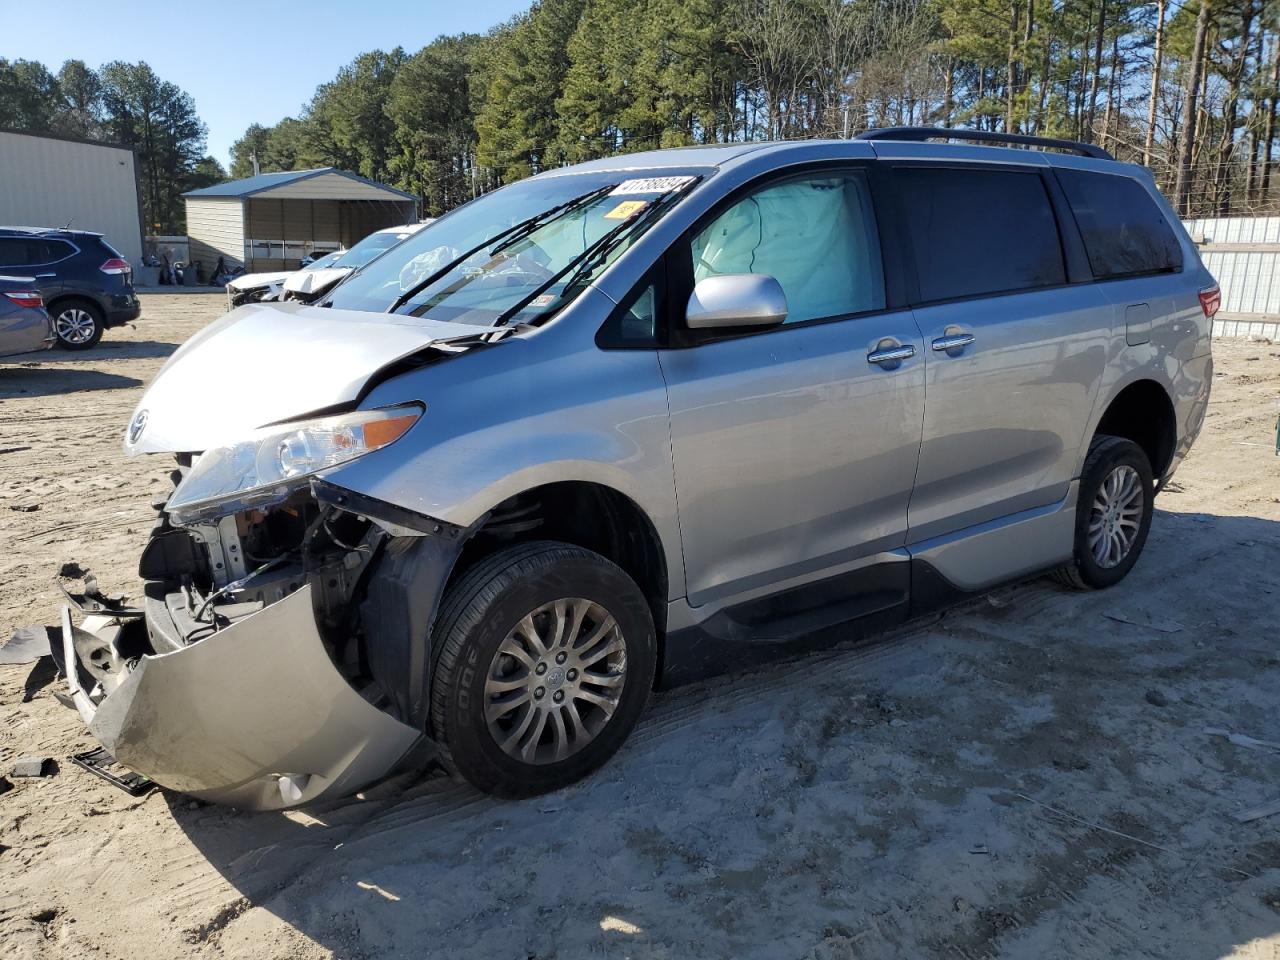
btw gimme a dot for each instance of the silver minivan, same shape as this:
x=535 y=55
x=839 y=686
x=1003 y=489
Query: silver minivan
x=632 y=423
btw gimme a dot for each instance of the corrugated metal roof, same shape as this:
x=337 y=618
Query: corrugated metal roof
x=265 y=182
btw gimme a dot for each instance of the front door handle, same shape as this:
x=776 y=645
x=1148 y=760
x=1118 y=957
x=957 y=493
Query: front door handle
x=956 y=341
x=45 y=276
x=891 y=355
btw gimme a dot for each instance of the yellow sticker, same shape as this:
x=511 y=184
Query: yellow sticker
x=625 y=209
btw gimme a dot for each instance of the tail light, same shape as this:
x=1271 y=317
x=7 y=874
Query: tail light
x=25 y=298
x=1210 y=300
x=116 y=265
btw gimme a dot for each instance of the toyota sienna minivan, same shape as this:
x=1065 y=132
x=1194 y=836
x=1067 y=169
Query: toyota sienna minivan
x=628 y=424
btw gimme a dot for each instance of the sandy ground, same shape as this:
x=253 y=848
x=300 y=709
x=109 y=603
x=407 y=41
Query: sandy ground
x=1028 y=776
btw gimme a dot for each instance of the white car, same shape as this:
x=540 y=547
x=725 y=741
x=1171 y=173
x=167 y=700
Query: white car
x=320 y=274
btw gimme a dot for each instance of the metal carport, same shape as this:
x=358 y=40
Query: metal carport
x=269 y=222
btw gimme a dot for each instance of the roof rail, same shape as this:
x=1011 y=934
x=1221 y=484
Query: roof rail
x=920 y=134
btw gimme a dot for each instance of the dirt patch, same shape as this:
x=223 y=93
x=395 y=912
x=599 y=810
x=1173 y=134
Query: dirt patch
x=861 y=803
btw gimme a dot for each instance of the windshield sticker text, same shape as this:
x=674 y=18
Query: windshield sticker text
x=650 y=185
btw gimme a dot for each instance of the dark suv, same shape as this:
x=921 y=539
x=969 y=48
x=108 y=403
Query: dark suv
x=86 y=284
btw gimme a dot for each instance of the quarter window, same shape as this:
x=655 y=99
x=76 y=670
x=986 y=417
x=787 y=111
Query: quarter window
x=1124 y=232
x=978 y=232
x=815 y=235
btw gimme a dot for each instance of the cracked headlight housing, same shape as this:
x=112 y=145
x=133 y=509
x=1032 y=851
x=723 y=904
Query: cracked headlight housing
x=273 y=462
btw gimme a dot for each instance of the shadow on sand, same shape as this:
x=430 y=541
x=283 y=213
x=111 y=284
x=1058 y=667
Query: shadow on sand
x=775 y=814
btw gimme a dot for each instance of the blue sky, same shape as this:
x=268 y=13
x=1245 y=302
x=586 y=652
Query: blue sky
x=242 y=62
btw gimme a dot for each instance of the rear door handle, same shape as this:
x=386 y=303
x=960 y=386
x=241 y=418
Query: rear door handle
x=45 y=276
x=956 y=341
x=891 y=354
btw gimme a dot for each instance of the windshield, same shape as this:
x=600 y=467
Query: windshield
x=328 y=260
x=370 y=247
x=518 y=253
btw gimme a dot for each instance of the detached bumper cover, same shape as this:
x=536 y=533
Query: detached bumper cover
x=255 y=716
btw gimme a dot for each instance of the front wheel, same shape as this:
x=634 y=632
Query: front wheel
x=1113 y=514
x=547 y=655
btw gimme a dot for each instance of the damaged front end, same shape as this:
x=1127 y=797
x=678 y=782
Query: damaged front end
x=282 y=658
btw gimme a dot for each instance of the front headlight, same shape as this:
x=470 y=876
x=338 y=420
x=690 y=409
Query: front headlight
x=275 y=461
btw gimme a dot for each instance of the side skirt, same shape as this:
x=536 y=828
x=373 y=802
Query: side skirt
x=928 y=577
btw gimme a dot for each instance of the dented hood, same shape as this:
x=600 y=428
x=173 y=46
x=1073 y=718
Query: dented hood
x=267 y=362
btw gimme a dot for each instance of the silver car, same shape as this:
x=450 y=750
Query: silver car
x=632 y=423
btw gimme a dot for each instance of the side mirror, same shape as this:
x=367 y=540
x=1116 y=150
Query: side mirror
x=736 y=300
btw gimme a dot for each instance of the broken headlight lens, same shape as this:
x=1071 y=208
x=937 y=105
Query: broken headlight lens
x=275 y=461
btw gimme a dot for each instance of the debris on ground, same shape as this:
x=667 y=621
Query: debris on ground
x=33 y=767
x=1157 y=699
x=5 y=786
x=1241 y=740
x=1163 y=626
x=26 y=645
x=102 y=764
x=72 y=570
x=1270 y=808
x=24 y=507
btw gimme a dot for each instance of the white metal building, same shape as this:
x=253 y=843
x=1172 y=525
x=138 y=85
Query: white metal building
x=271 y=221
x=51 y=181
x=1243 y=254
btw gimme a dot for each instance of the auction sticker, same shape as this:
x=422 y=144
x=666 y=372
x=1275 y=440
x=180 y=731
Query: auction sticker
x=625 y=209
x=629 y=188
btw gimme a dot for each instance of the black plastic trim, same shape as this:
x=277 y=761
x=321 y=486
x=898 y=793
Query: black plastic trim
x=789 y=623
x=922 y=134
x=399 y=609
x=366 y=506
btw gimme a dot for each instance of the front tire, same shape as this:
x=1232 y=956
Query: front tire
x=78 y=324
x=1113 y=514
x=546 y=658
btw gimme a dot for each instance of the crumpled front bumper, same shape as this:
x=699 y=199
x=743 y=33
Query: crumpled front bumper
x=255 y=716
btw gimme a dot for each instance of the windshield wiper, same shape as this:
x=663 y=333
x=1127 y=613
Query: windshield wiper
x=589 y=259
x=504 y=239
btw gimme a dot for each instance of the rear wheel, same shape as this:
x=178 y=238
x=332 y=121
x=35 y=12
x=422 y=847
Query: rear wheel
x=547 y=655
x=1113 y=514
x=78 y=324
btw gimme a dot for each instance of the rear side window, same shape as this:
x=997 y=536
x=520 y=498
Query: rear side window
x=1124 y=232
x=13 y=251
x=978 y=232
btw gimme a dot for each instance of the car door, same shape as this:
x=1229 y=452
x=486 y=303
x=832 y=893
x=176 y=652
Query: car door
x=1015 y=340
x=794 y=448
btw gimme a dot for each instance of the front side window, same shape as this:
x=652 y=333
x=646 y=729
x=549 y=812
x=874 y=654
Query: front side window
x=815 y=235
x=977 y=232
x=1123 y=230
x=517 y=254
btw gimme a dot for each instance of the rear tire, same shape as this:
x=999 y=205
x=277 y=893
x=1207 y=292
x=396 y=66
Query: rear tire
x=79 y=324
x=1113 y=514
x=546 y=658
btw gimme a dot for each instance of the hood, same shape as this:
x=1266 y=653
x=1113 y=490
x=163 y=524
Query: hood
x=247 y=281
x=267 y=362
x=311 y=283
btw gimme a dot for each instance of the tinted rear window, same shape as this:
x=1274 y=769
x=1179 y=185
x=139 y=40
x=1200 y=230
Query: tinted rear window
x=979 y=232
x=1124 y=232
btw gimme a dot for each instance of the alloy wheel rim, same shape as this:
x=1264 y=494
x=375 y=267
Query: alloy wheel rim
x=75 y=325
x=555 y=681
x=1116 y=517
